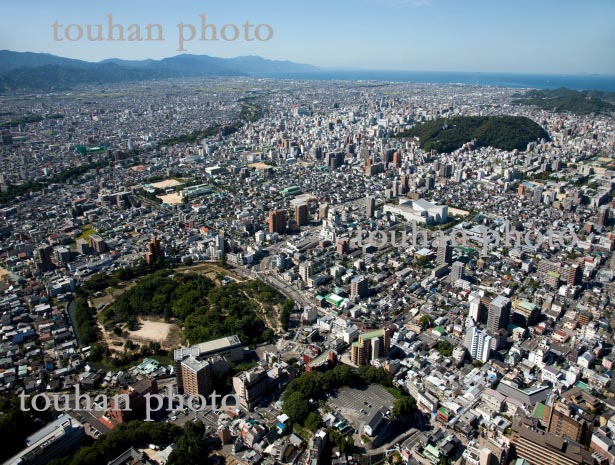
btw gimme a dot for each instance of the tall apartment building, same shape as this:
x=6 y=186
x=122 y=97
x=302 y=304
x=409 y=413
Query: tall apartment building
x=569 y=421
x=323 y=211
x=196 y=377
x=305 y=270
x=445 y=253
x=370 y=346
x=98 y=244
x=457 y=271
x=359 y=286
x=499 y=313
x=277 y=221
x=405 y=183
x=603 y=216
x=301 y=215
x=342 y=245
x=154 y=251
x=229 y=348
x=554 y=272
x=477 y=307
x=370 y=206
x=478 y=343
x=44 y=262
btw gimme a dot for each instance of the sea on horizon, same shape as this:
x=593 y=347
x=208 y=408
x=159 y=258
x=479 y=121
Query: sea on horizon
x=521 y=81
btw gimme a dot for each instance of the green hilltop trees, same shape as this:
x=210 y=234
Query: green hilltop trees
x=501 y=132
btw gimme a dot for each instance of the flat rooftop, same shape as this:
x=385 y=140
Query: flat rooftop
x=219 y=344
x=194 y=365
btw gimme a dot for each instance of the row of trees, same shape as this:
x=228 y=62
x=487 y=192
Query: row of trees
x=285 y=311
x=191 y=137
x=85 y=321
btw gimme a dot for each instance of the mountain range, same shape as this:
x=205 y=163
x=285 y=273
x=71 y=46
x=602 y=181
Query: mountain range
x=46 y=72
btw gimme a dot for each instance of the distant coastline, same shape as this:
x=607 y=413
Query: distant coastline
x=44 y=72
x=536 y=81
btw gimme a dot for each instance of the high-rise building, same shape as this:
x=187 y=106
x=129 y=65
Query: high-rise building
x=370 y=346
x=552 y=272
x=359 y=286
x=457 y=271
x=63 y=254
x=603 y=216
x=305 y=270
x=277 y=221
x=44 y=258
x=572 y=274
x=397 y=158
x=478 y=343
x=251 y=386
x=521 y=190
x=335 y=160
x=98 y=244
x=7 y=139
x=499 y=312
x=396 y=188
x=537 y=196
x=476 y=307
x=196 y=376
x=154 y=251
x=342 y=245
x=301 y=215
x=445 y=253
x=230 y=348
x=405 y=184
x=370 y=206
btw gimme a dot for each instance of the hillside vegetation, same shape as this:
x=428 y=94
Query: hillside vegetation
x=564 y=100
x=501 y=132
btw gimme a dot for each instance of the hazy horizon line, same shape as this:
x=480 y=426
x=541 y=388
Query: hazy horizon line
x=331 y=68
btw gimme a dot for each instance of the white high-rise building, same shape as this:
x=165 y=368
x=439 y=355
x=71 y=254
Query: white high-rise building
x=305 y=270
x=478 y=342
x=475 y=306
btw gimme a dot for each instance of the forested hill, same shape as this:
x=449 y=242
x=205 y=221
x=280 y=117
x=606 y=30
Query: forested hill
x=501 y=132
x=564 y=100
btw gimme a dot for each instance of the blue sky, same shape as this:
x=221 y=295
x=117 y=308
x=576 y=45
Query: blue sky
x=525 y=36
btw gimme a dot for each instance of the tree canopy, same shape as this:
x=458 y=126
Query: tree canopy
x=563 y=100
x=501 y=132
x=133 y=434
x=206 y=311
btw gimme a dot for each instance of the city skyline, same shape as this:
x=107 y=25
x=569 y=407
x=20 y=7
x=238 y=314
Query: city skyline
x=407 y=35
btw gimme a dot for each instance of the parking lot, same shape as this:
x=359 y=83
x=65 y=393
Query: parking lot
x=357 y=405
x=208 y=417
